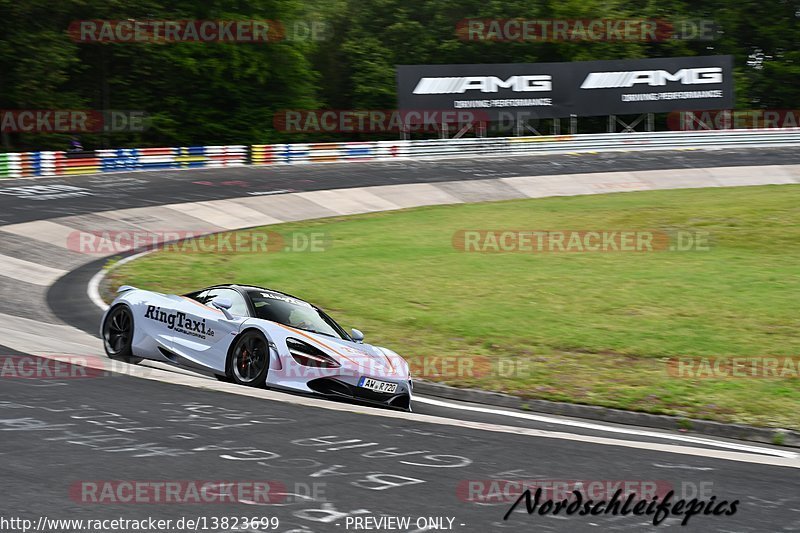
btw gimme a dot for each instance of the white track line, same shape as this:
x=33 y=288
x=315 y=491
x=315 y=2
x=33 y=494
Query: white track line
x=173 y=378
x=94 y=295
x=609 y=429
x=93 y=288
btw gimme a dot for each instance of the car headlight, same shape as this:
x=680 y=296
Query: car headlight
x=307 y=355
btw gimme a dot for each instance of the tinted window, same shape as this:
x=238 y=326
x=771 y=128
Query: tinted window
x=239 y=307
x=294 y=313
x=199 y=296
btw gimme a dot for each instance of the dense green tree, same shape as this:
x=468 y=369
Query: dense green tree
x=215 y=93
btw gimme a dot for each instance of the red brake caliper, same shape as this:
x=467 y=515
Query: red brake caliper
x=243 y=364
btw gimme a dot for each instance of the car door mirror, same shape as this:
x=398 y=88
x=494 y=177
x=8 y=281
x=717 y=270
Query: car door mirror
x=356 y=335
x=223 y=304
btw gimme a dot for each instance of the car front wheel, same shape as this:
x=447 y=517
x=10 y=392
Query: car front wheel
x=118 y=335
x=248 y=363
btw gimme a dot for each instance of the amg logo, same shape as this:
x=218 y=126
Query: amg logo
x=653 y=78
x=484 y=84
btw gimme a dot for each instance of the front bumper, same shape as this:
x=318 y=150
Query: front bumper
x=333 y=387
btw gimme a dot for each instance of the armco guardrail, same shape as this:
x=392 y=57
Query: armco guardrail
x=311 y=153
x=29 y=164
x=32 y=164
x=602 y=142
x=267 y=154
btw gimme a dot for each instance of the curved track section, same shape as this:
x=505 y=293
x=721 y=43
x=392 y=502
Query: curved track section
x=333 y=462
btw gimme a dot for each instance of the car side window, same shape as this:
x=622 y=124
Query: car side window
x=200 y=297
x=239 y=307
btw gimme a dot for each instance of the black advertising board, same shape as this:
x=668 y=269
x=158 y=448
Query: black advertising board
x=652 y=85
x=583 y=88
x=490 y=89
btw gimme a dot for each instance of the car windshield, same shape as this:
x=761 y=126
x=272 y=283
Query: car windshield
x=295 y=313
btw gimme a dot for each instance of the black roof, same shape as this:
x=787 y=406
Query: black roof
x=257 y=288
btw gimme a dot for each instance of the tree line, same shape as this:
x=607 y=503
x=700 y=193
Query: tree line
x=337 y=54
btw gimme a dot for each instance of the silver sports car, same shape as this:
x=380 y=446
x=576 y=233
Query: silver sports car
x=254 y=336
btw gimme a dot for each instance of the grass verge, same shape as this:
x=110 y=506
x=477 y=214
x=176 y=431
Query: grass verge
x=591 y=328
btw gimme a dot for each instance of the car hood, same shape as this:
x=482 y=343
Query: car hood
x=371 y=359
x=356 y=357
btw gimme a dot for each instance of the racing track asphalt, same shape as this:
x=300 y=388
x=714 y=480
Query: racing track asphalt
x=139 y=189
x=59 y=433
x=69 y=301
x=168 y=435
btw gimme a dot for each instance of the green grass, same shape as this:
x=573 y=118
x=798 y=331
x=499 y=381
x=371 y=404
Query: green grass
x=593 y=328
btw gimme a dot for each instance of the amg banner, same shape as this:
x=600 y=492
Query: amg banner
x=583 y=88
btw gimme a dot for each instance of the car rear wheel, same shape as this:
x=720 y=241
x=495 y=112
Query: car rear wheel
x=118 y=335
x=248 y=363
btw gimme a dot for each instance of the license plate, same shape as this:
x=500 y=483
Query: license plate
x=378 y=386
